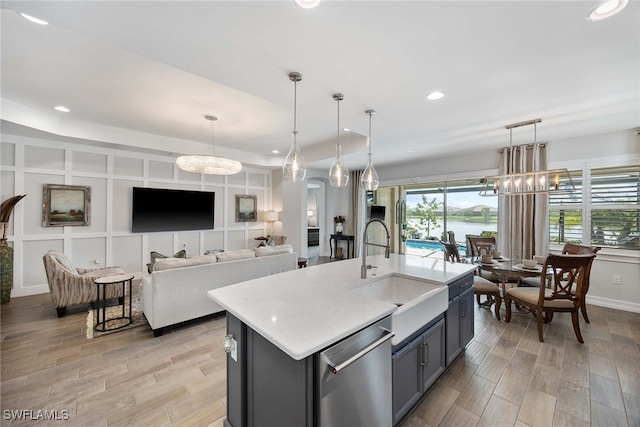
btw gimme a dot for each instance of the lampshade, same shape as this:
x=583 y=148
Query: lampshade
x=295 y=167
x=209 y=165
x=309 y=212
x=369 y=179
x=270 y=216
x=338 y=174
x=556 y=181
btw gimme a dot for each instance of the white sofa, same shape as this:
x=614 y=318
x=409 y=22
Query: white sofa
x=176 y=290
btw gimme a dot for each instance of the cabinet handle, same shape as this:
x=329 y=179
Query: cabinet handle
x=463 y=308
x=425 y=354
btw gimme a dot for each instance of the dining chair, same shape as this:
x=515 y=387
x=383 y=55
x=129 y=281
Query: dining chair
x=568 y=280
x=570 y=248
x=481 y=286
x=480 y=245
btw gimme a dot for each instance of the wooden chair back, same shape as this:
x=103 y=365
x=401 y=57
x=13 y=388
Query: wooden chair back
x=570 y=248
x=451 y=252
x=568 y=278
x=477 y=246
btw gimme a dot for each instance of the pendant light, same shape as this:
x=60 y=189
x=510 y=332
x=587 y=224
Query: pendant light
x=555 y=181
x=338 y=174
x=294 y=168
x=209 y=165
x=369 y=180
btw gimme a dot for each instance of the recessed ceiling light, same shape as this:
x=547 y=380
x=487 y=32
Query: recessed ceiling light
x=307 y=4
x=275 y=151
x=435 y=95
x=32 y=19
x=346 y=129
x=61 y=108
x=607 y=9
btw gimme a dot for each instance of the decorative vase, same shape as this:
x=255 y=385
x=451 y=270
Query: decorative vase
x=339 y=227
x=339 y=254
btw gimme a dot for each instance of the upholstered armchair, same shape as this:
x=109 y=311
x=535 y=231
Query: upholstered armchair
x=69 y=285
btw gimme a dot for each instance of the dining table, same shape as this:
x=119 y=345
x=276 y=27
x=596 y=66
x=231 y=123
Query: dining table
x=507 y=270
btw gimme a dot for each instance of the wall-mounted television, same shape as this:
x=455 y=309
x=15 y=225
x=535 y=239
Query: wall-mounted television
x=377 y=212
x=157 y=209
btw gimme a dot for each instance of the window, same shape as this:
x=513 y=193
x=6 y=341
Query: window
x=565 y=213
x=610 y=214
x=615 y=211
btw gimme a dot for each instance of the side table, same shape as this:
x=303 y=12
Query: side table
x=101 y=302
x=335 y=238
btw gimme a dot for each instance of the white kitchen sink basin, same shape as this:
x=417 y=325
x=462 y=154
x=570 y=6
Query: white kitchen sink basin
x=419 y=302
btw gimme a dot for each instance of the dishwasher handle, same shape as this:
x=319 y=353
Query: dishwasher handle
x=337 y=368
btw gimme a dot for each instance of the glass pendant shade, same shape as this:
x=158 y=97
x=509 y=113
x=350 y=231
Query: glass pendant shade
x=338 y=174
x=294 y=168
x=369 y=180
x=209 y=165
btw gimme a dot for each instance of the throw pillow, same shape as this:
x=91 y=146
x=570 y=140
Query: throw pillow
x=274 y=250
x=156 y=255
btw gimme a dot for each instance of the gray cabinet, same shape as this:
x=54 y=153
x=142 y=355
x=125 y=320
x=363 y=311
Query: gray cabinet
x=459 y=317
x=416 y=366
x=265 y=387
x=347 y=384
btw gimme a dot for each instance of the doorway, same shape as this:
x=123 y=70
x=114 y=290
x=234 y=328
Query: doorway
x=316 y=232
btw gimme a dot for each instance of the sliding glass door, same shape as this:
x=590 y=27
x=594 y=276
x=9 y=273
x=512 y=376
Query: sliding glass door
x=441 y=211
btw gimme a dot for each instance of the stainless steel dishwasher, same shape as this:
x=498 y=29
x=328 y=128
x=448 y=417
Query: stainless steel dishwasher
x=353 y=378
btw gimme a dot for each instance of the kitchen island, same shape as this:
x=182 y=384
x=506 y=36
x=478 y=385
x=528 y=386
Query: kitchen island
x=280 y=324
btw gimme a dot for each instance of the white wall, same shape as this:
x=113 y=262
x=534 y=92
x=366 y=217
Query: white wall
x=608 y=150
x=26 y=164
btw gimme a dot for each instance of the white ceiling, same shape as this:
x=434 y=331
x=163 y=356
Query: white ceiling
x=143 y=74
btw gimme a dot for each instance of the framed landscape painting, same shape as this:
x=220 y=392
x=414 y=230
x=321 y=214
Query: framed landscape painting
x=246 y=208
x=65 y=205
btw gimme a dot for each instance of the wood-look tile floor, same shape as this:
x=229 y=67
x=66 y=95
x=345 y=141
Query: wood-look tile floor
x=129 y=378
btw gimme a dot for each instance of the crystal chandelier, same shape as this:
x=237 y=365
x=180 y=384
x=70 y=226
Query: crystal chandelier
x=338 y=174
x=294 y=168
x=369 y=180
x=556 y=181
x=209 y=165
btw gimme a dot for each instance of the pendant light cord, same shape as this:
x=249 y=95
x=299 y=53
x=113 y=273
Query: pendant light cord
x=370 y=114
x=295 y=109
x=338 y=139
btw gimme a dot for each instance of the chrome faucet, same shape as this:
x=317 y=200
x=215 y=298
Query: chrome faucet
x=387 y=248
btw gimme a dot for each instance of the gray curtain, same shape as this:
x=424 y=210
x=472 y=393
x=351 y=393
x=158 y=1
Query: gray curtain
x=523 y=226
x=357 y=213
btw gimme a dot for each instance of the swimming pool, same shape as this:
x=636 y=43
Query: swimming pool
x=432 y=245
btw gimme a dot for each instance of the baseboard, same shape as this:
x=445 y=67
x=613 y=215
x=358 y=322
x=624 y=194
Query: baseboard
x=612 y=303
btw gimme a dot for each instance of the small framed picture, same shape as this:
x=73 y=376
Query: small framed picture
x=370 y=198
x=246 y=208
x=66 y=205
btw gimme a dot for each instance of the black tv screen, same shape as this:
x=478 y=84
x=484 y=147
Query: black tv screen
x=156 y=209
x=377 y=212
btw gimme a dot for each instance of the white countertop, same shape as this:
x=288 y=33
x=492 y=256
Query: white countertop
x=305 y=310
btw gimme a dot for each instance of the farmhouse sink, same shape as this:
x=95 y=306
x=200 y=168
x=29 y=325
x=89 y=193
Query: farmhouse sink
x=419 y=302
